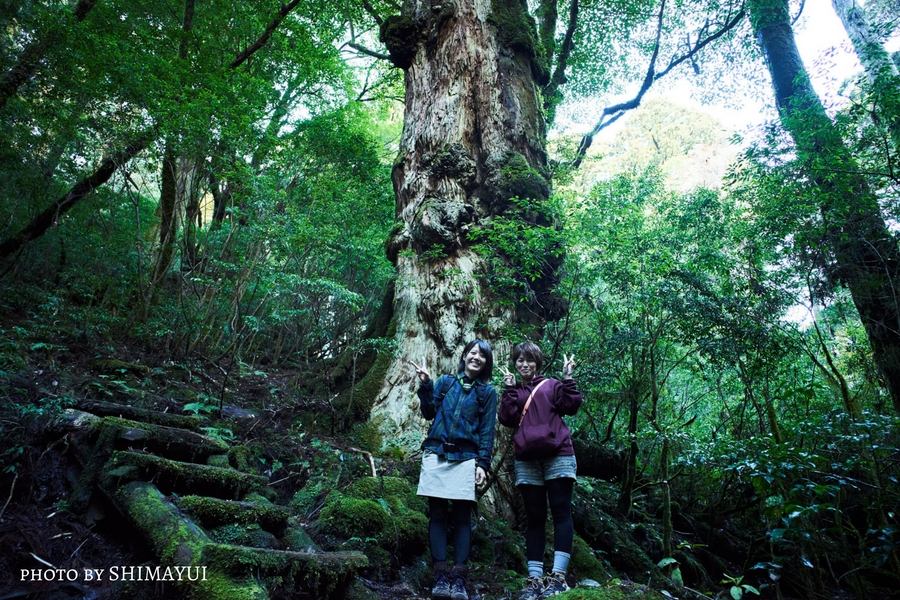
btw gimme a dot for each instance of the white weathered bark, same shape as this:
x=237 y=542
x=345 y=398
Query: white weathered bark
x=471 y=104
x=871 y=52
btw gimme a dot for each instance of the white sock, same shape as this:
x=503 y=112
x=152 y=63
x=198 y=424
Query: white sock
x=560 y=562
x=535 y=568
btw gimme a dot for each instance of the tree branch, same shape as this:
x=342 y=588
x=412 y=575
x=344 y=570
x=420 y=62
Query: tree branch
x=559 y=74
x=364 y=50
x=49 y=217
x=259 y=43
x=611 y=114
x=30 y=57
x=372 y=12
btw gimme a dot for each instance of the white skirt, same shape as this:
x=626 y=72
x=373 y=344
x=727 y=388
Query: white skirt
x=450 y=479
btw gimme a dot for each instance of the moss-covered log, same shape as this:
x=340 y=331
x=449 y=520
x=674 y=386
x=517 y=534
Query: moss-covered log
x=184 y=478
x=212 y=512
x=111 y=409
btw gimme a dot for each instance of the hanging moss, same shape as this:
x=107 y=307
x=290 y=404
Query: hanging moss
x=401 y=37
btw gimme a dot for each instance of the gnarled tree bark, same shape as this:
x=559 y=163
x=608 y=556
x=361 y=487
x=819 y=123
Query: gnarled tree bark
x=473 y=138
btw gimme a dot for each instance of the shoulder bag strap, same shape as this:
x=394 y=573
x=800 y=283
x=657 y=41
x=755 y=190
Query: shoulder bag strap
x=528 y=402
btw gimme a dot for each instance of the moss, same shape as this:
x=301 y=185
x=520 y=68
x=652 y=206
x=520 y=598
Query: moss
x=250 y=534
x=401 y=37
x=174 y=539
x=353 y=517
x=518 y=179
x=453 y=160
x=221 y=587
x=368 y=436
x=296 y=539
x=111 y=366
x=320 y=574
x=585 y=564
x=177 y=476
x=214 y=512
x=218 y=460
x=369 y=387
x=398 y=493
x=239 y=458
x=515 y=26
x=616 y=591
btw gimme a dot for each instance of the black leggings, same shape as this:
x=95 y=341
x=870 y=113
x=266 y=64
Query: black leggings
x=559 y=494
x=439 y=511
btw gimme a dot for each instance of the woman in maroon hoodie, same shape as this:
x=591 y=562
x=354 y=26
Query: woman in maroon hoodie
x=545 y=461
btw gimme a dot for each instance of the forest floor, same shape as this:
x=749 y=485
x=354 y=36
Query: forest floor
x=302 y=444
x=289 y=435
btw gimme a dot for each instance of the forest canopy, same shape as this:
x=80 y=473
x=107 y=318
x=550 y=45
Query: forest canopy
x=255 y=214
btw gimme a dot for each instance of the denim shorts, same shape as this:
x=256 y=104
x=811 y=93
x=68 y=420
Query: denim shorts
x=536 y=472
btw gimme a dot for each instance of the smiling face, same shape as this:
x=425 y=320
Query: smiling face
x=474 y=361
x=526 y=367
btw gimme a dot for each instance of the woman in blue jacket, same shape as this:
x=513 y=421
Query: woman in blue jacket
x=456 y=456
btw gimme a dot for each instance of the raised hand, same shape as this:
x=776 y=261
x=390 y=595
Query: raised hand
x=508 y=377
x=423 y=374
x=568 y=366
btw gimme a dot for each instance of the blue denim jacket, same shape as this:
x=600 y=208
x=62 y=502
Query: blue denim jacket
x=463 y=422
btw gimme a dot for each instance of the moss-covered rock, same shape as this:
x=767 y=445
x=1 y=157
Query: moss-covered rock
x=400 y=35
x=348 y=517
x=250 y=534
x=585 y=564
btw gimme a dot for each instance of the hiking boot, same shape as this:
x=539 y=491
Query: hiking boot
x=442 y=581
x=534 y=587
x=458 y=586
x=554 y=584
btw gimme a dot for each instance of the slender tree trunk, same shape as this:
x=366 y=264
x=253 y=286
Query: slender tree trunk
x=169 y=194
x=623 y=506
x=668 y=549
x=865 y=253
x=880 y=69
x=473 y=137
x=168 y=212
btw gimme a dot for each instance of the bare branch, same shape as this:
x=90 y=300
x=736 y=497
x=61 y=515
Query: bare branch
x=612 y=113
x=366 y=51
x=259 y=43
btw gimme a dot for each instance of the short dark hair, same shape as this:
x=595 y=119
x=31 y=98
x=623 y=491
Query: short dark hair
x=487 y=371
x=530 y=351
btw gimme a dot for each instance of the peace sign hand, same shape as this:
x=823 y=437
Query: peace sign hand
x=508 y=378
x=423 y=374
x=568 y=366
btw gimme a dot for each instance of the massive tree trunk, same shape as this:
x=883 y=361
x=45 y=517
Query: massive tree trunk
x=865 y=254
x=473 y=137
